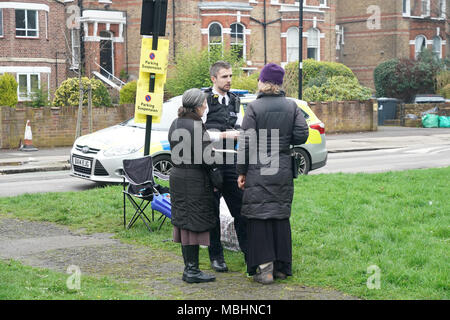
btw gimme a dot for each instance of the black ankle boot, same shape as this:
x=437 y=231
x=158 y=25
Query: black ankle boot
x=192 y=273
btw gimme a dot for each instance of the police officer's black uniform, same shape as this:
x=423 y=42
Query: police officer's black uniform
x=223 y=117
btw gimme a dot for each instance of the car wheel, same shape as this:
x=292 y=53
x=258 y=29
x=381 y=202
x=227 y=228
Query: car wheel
x=162 y=164
x=305 y=163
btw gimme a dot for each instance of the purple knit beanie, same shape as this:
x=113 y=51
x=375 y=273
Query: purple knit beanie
x=272 y=73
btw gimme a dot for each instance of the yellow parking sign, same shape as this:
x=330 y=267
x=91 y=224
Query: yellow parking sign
x=149 y=103
x=142 y=118
x=144 y=82
x=154 y=61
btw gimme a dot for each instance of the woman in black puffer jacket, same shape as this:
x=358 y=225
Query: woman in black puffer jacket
x=191 y=190
x=269 y=188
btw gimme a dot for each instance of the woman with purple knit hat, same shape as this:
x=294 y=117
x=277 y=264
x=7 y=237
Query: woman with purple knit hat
x=268 y=184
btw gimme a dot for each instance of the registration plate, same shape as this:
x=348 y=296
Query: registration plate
x=82 y=162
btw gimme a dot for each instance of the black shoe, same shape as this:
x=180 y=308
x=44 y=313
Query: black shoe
x=219 y=266
x=192 y=273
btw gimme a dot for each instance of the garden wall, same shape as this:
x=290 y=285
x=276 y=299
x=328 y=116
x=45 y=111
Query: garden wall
x=443 y=109
x=347 y=116
x=54 y=127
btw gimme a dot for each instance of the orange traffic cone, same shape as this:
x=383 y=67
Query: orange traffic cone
x=28 y=139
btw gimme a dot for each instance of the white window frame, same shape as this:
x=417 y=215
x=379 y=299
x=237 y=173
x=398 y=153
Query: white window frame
x=406 y=8
x=75 y=52
x=443 y=6
x=427 y=5
x=1 y=23
x=244 y=45
x=28 y=97
x=26 y=24
x=293 y=48
x=221 y=36
x=440 y=46
x=323 y=3
x=318 y=43
x=417 y=50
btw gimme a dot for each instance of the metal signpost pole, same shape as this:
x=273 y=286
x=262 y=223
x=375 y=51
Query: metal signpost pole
x=300 y=51
x=156 y=24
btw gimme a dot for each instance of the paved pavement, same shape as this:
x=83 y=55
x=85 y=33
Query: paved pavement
x=387 y=137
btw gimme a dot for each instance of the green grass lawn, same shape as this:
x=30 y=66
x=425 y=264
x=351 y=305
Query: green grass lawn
x=19 y=282
x=341 y=225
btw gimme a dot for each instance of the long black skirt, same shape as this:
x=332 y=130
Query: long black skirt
x=269 y=241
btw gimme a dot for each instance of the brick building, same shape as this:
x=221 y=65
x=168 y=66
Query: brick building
x=39 y=47
x=206 y=24
x=375 y=31
x=31 y=46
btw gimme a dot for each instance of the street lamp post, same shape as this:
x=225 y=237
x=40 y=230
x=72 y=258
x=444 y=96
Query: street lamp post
x=300 y=50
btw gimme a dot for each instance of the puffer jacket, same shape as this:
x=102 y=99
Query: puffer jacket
x=268 y=193
x=191 y=190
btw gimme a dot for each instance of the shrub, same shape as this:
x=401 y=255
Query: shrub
x=68 y=93
x=404 y=78
x=316 y=72
x=8 y=90
x=128 y=93
x=384 y=77
x=442 y=81
x=339 y=88
x=445 y=92
x=40 y=98
x=191 y=69
x=244 y=82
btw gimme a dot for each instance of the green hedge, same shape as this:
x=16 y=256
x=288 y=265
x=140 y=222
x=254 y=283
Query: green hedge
x=191 y=69
x=8 y=90
x=68 y=93
x=244 y=82
x=316 y=72
x=404 y=78
x=339 y=88
x=383 y=77
x=128 y=93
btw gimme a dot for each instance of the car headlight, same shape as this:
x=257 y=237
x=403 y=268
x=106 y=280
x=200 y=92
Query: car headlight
x=121 y=151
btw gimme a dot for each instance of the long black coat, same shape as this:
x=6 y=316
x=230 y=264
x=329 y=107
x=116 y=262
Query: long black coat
x=268 y=194
x=191 y=191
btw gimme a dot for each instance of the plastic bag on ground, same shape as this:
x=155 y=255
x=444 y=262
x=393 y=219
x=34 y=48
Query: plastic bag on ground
x=433 y=110
x=430 y=121
x=411 y=116
x=444 y=122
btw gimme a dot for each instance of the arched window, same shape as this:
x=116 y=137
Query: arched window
x=420 y=45
x=313 y=44
x=292 y=44
x=215 y=37
x=238 y=39
x=437 y=47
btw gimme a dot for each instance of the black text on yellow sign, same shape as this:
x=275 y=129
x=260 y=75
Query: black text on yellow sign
x=152 y=62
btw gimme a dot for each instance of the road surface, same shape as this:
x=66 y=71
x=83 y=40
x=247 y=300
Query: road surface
x=414 y=157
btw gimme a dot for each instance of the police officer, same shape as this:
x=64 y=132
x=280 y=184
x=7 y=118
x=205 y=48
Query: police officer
x=222 y=119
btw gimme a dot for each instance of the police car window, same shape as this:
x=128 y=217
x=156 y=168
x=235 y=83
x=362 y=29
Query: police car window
x=305 y=114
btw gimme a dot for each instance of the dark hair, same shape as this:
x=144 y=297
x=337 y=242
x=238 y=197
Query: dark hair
x=192 y=99
x=216 y=67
